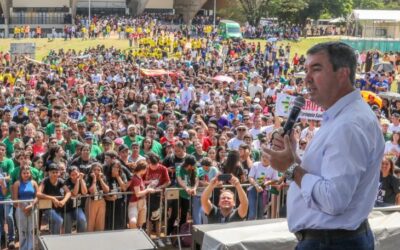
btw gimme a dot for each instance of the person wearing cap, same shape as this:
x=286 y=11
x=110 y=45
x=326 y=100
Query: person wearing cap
x=21 y=117
x=94 y=149
x=185 y=138
x=53 y=188
x=123 y=155
x=132 y=136
x=106 y=145
x=385 y=129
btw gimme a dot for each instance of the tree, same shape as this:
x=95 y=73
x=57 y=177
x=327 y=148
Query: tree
x=254 y=10
x=232 y=12
x=315 y=8
x=288 y=10
x=368 y=4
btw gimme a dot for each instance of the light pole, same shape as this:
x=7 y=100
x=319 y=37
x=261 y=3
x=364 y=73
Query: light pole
x=89 y=21
x=215 y=10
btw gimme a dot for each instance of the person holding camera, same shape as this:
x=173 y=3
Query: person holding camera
x=226 y=211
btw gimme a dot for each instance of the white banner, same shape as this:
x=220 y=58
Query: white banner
x=310 y=111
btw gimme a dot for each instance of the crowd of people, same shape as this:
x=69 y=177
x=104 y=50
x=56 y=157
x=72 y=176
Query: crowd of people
x=98 y=136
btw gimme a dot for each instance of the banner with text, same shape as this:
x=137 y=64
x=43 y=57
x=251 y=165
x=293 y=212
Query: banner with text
x=310 y=111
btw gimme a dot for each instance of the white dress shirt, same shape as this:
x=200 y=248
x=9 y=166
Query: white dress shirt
x=343 y=165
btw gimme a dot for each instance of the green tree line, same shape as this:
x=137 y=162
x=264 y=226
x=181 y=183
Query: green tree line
x=297 y=11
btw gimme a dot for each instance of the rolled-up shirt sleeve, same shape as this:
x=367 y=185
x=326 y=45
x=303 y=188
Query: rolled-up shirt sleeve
x=343 y=164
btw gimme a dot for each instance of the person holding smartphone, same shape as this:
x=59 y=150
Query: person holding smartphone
x=226 y=211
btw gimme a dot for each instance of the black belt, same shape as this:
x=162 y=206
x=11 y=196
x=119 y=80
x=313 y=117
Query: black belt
x=316 y=234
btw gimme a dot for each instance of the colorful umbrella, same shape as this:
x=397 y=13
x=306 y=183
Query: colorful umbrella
x=221 y=78
x=371 y=98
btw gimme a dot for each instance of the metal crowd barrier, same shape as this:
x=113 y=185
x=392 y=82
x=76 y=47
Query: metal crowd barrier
x=42 y=212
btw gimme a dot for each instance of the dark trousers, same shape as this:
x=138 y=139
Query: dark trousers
x=184 y=206
x=363 y=241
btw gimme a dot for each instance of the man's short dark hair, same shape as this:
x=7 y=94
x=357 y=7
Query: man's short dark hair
x=152 y=158
x=340 y=55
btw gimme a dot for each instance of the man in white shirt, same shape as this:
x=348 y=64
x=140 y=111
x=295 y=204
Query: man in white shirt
x=395 y=125
x=335 y=184
x=309 y=132
x=254 y=87
x=271 y=90
x=235 y=142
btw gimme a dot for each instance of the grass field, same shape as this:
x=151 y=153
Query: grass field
x=43 y=46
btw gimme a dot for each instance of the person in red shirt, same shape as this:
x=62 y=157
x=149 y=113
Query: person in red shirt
x=137 y=203
x=169 y=136
x=39 y=148
x=156 y=177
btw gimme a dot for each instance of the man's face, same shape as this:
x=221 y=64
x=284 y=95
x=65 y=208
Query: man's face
x=2 y=152
x=132 y=131
x=226 y=201
x=321 y=81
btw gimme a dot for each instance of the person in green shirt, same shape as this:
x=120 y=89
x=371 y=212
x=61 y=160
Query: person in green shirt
x=6 y=169
x=51 y=127
x=69 y=144
x=94 y=149
x=13 y=132
x=23 y=160
x=132 y=136
x=187 y=179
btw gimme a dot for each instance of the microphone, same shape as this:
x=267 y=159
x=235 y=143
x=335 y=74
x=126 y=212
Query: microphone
x=294 y=114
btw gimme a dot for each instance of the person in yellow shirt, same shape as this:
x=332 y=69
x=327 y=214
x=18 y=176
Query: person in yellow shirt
x=84 y=33
x=16 y=32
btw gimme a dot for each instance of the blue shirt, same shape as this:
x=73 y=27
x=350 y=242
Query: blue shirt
x=343 y=165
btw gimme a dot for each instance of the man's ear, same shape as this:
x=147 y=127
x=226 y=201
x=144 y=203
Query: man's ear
x=344 y=74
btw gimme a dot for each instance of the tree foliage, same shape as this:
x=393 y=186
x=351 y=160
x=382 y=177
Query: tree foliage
x=297 y=11
x=254 y=10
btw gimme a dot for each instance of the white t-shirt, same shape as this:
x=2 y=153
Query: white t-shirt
x=270 y=92
x=253 y=89
x=390 y=148
x=308 y=134
x=234 y=143
x=260 y=173
x=254 y=132
x=393 y=128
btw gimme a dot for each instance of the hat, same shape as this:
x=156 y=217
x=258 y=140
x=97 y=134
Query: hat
x=88 y=136
x=52 y=167
x=119 y=141
x=107 y=140
x=122 y=147
x=184 y=135
x=110 y=130
x=385 y=122
x=397 y=115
